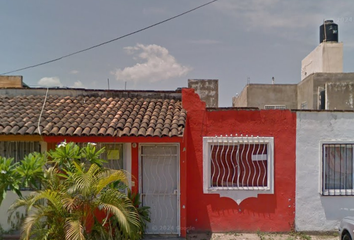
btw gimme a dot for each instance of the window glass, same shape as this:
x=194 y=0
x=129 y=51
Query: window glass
x=337 y=169
x=113 y=154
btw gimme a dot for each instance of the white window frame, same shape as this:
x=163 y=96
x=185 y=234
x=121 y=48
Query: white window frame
x=278 y=107
x=334 y=192
x=238 y=194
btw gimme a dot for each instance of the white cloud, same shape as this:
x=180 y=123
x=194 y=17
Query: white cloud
x=78 y=84
x=157 y=65
x=50 y=82
x=74 y=72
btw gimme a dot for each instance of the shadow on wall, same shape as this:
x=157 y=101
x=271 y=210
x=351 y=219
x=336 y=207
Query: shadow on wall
x=197 y=214
x=337 y=207
x=262 y=206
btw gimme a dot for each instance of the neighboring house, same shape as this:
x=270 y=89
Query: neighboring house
x=240 y=168
x=318 y=91
x=143 y=133
x=323 y=84
x=268 y=170
x=324 y=169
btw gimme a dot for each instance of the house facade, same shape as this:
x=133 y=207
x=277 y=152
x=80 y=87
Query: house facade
x=312 y=164
x=142 y=132
x=240 y=168
x=324 y=169
x=198 y=168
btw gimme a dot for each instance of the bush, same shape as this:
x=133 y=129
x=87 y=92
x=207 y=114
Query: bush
x=75 y=197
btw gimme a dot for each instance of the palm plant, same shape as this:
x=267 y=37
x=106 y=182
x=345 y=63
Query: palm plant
x=79 y=200
x=31 y=169
x=9 y=178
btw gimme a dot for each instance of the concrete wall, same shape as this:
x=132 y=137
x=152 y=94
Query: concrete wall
x=315 y=212
x=340 y=95
x=326 y=57
x=305 y=94
x=259 y=95
x=312 y=62
x=241 y=100
x=207 y=89
x=332 y=57
x=93 y=92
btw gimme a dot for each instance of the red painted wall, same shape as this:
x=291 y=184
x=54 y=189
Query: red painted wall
x=269 y=212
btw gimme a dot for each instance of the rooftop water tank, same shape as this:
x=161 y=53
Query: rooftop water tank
x=329 y=31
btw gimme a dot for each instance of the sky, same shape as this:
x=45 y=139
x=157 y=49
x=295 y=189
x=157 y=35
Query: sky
x=229 y=40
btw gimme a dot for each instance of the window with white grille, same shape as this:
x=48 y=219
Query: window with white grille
x=337 y=169
x=237 y=164
x=18 y=150
x=275 y=107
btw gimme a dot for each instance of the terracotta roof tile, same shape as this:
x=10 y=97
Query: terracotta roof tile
x=91 y=116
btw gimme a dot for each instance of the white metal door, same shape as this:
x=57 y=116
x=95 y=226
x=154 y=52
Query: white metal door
x=159 y=187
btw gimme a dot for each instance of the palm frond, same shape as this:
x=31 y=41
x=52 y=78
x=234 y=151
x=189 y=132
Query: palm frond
x=74 y=230
x=107 y=177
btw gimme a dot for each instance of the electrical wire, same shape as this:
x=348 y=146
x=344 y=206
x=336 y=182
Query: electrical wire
x=109 y=41
x=40 y=115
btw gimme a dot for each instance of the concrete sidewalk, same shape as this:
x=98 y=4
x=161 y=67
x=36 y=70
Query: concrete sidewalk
x=263 y=236
x=251 y=236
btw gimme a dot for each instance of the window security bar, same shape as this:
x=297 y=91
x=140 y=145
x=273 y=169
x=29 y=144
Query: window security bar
x=337 y=169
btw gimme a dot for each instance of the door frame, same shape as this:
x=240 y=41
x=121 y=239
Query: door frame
x=177 y=145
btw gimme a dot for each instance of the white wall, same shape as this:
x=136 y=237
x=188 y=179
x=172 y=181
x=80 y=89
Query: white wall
x=326 y=57
x=315 y=212
x=8 y=201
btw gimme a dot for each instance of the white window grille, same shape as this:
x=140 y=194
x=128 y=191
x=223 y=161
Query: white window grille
x=18 y=150
x=337 y=169
x=275 y=107
x=238 y=167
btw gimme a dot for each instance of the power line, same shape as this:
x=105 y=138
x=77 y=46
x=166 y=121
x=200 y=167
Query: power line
x=109 y=41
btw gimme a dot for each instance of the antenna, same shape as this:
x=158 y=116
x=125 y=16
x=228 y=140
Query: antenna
x=248 y=80
x=125 y=85
x=324 y=29
x=108 y=82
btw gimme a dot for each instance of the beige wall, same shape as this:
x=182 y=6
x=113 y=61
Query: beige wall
x=305 y=94
x=339 y=90
x=340 y=95
x=240 y=100
x=326 y=57
x=332 y=57
x=259 y=95
x=207 y=89
x=11 y=82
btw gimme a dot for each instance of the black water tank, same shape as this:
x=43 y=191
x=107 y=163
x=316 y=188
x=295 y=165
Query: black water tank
x=329 y=31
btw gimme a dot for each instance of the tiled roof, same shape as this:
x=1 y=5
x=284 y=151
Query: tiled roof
x=91 y=116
